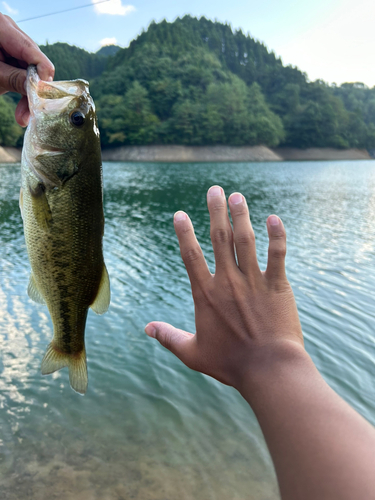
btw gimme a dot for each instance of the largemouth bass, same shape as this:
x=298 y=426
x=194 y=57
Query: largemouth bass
x=62 y=210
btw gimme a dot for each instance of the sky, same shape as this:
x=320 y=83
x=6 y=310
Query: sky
x=331 y=40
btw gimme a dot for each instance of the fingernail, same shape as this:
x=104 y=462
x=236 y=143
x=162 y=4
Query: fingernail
x=178 y=216
x=26 y=118
x=150 y=331
x=236 y=198
x=25 y=86
x=215 y=191
x=274 y=220
x=50 y=79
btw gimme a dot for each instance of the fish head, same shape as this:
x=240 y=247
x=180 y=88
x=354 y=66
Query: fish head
x=62 y=118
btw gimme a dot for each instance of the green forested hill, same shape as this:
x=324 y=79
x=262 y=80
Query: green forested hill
x=108 y=50
x=199 y=82
x=73 y=62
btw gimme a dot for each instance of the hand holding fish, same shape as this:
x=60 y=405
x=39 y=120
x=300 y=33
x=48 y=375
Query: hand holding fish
x=248 y=335
x=17 y=51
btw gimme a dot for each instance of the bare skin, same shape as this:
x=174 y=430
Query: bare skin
x=17 y=51
x=248 y=336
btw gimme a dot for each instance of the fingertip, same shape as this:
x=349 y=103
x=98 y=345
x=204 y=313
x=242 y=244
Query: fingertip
x=46 y=71
x=25 y=119
x=20 y=120
x=236 y=199
x=180 y=216
x=273 y=220
x=150 y=330
x=215 y=191
x=22 y=113
x=275 y=225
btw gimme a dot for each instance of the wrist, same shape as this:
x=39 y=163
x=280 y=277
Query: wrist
x=271 y=364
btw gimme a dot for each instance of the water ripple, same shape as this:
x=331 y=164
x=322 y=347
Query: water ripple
x=149 y=427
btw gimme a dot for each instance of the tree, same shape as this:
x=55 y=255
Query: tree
x=266 y=125
x=127 y=119
x=185 y=123
x=10 y=133
x=196 y=81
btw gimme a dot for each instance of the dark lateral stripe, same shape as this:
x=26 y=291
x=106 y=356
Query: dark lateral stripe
x=66 y=322
x=72 y=331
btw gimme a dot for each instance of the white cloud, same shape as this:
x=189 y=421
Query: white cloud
x=108 y=41
x=9 y=9
x=113 y=7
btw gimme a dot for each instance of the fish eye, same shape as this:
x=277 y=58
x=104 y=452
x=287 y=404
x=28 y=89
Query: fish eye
x=77 y=119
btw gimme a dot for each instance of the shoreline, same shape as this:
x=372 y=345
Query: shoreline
x=196 y=154
x=10 y=155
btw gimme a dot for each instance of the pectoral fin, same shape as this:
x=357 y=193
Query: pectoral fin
x=63 y=168
x=41 y=208
x=33 y=291
x=103 y=298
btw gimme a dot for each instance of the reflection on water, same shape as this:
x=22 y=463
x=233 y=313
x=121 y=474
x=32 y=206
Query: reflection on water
x=149 y=428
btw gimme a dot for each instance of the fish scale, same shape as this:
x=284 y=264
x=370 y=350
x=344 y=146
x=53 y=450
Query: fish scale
x=62 y=207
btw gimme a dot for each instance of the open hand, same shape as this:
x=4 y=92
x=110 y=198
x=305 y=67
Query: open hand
x=17 y=51
x=244 y=316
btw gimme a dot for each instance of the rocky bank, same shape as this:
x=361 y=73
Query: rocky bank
x=193 y=154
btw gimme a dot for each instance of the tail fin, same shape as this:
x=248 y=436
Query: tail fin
x=78 y=372
x=55 y=360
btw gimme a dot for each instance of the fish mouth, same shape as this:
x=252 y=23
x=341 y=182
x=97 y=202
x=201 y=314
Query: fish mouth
x=50 y=97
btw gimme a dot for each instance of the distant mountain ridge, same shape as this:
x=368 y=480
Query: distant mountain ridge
x=198 y=82
x=72 y=62
x=108 y=50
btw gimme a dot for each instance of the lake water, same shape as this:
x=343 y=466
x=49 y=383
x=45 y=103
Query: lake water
x=149 y=428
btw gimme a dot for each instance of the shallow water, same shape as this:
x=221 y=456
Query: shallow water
x=148 y=427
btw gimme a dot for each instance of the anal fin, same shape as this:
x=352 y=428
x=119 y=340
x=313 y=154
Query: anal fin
x=33 y=291
x=21 y=202
x=103 y=297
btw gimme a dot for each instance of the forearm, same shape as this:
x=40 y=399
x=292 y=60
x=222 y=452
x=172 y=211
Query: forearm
x=321 y=448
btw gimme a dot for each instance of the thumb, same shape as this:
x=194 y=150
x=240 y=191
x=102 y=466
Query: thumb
x=179 y=342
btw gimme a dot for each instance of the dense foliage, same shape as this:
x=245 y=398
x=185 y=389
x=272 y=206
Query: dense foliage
x=199 y=82
x=72 y=62
x=108 y=50
x=10 y=132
